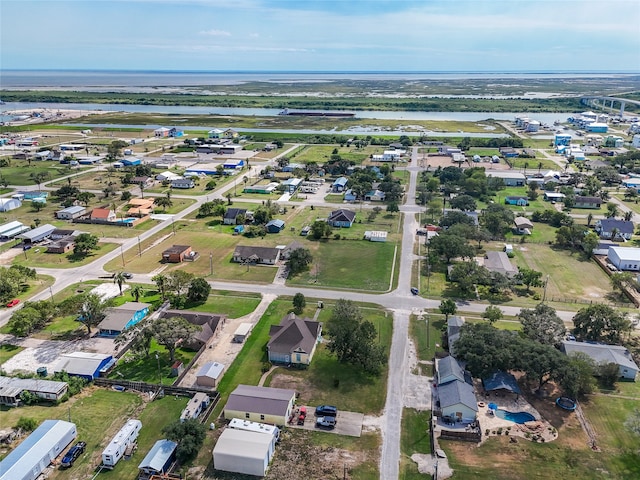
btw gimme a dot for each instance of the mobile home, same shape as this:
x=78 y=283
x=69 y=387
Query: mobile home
x=126 y=437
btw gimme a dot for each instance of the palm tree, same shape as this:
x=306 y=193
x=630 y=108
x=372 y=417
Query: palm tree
x=628 y=215
x=137 y=291
x=589 y=219
x=539 y=166
x=39 y=177
x=120 y=279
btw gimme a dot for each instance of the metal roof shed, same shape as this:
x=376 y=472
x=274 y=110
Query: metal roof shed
x=242 y=451
x=83 y=364
x=37 y=234
x=209 y=374
x=29 y=459
x=159 y=458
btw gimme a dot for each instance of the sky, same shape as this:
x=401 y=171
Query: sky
x=322 y=35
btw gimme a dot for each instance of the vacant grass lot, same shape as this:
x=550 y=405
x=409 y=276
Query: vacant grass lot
x=414 y=439
x=322 y=153
x=98 y=415
x=38 y=257
x=342 y=263
x=570 y=275
x=19 y=173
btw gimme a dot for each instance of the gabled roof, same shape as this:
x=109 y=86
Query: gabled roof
x=245 y=251
x=623 y=226
x=581 y=199
x=341 y=181
x=234 y=212
x=276 y=223
x=454 y=393
x=80 y=363
x=342 y=215
x=449 y=369
x=118 y=317
x=99 y=213
x=294 y=334
x=158 y=456
x=208 y=322
x=499 y=262
x=264 y=400
x=602 y=353
x=73 y=209
x=522 y=222
x=211 y=370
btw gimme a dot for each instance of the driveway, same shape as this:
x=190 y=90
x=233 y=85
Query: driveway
x=347 y=423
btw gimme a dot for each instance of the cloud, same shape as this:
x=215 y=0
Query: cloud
x=216 y=33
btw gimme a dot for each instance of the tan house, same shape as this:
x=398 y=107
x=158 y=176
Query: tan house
x=139 y=207
x=260 y=404
x=294 y=341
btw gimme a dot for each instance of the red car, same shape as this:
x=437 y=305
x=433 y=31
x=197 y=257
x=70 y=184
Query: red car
x=13 y=303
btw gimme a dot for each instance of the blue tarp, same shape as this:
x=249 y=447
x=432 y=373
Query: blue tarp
x=499 y=381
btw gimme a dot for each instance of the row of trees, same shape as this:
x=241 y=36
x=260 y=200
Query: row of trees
x=535 y=351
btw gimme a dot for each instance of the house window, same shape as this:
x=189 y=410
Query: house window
x=261 y=417
x=246 y=415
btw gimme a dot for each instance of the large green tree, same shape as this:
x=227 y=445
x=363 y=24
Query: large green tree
x=189 y=435
x=542 y=324
x=353 y=339
x=199 y=290
x=84 y=244
x=601 y=323
x=299 y=260
x=171 y=332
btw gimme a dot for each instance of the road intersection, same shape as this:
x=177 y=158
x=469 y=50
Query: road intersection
x=399 y=301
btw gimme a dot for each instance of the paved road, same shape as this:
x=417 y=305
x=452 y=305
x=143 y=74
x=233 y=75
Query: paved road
x=399 y=301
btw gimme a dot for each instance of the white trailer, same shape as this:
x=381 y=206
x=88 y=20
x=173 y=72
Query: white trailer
x=126 y=437
x=242 y=332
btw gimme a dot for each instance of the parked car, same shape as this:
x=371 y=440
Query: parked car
x=415 y=291
x=13 y=303
x=302 y=415
x=326 y=422
x=73 y=453
x=326 y=411
x=127 y=275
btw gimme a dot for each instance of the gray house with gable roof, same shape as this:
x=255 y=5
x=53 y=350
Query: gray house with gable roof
x=294 y=341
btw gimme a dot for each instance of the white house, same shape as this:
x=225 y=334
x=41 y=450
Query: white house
x=602 y=354
x=458 y=401
x=32 y=457
x=625 y=258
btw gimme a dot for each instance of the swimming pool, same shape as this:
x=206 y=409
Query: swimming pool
x=516 y=417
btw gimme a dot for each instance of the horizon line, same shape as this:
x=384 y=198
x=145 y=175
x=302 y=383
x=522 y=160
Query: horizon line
x=116 y=70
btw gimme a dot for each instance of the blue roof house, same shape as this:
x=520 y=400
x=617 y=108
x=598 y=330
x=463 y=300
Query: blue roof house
x=275 y=226
x=340 y=184
x=159 y=458
x=349 y=196
x=130 y=162
x=118 y=319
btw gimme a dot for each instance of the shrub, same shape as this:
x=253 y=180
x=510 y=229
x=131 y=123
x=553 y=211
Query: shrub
x=27 y=424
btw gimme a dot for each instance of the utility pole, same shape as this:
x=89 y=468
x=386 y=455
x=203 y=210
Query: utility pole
x=139 y=249
x=122 y=254
x=211 y=263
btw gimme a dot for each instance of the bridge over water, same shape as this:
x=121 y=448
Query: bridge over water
x=601 y=102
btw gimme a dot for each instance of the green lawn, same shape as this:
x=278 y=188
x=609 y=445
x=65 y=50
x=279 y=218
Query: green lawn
x=19 y=173
x=415 y=438
x=38 y=257
x=357 y=264
x=149 y=369
x=231 y=304
x=98 y=415
x=7 y=351
x=427 y=339
x=155 y=416
x=620 y=447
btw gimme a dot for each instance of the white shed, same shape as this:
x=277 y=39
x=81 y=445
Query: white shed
x=242 y=451
x=7 y=204
x=29 y=459
x=242 y=332
x=209 y=374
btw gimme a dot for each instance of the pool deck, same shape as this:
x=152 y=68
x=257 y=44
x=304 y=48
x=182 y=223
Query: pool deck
x=538 y=428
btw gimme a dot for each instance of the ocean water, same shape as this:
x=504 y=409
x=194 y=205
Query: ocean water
x=14 y=79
